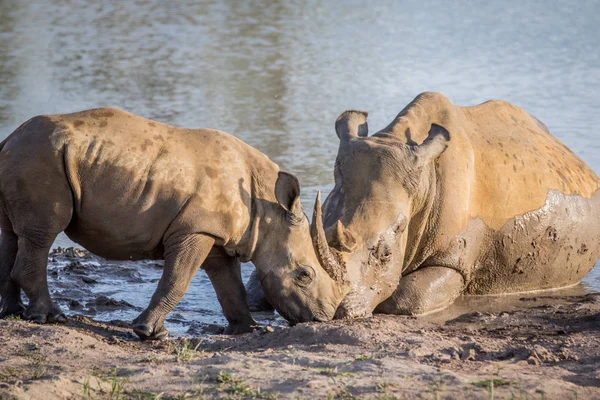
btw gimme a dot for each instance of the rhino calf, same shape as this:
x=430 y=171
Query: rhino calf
x=451 y=200
x=128 y=188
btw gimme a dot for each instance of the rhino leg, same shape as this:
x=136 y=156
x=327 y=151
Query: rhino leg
x=256 y=296
x=226 y=277
x=423 y=291
x=29 y=272
x=183 y=257
x=37 y=204
x=10 y=292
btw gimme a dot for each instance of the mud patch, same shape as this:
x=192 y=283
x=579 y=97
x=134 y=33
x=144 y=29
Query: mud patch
x=86 y=285
x=549 y=351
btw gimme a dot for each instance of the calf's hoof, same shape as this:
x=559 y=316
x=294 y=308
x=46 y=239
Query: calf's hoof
x=40 y=316
x=145 y=332
x=238 y=329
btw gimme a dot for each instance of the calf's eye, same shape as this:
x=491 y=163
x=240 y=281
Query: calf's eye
x=303 y=276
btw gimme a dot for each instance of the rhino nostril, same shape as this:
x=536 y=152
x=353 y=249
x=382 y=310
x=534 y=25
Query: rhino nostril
x=381 y=251
x=385 y=253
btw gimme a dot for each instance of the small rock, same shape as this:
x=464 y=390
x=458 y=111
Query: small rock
x=528 y=299
x=567 y=354
x=88 y=280
x=540 y=355
x=74 y=304
x=75 y=266
x=107 y=301
x=533 y=361
x=120 y=323
x=269 y=328
x=469 y=351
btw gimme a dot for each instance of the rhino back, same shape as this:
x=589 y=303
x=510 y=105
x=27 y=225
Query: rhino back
x=500 y=162
x=517 y=164
x=516 y=209
x=135 y=180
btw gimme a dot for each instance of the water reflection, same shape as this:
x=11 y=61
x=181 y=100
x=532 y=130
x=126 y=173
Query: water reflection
x=276 y=74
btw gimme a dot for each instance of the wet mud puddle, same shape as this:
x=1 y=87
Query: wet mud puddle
x=84 y=284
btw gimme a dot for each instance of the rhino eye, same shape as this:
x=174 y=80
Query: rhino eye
x=399 y=226
x=303 y=276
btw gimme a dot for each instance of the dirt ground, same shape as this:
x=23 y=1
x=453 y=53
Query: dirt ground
x=549 y=351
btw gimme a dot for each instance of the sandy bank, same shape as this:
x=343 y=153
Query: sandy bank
x=549 y=351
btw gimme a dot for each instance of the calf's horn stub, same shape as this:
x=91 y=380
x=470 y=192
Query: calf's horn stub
x=352 y=123
x=328 y=261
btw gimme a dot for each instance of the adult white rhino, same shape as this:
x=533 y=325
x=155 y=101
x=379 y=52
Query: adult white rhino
x=126 y=187
x=451 y=200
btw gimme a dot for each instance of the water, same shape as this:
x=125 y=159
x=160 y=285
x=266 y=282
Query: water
x=277 y=74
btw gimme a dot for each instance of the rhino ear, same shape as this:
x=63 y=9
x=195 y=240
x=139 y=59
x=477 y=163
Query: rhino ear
x=432 y=147
x=287 y=192
x=341 y=238
x=352 y=123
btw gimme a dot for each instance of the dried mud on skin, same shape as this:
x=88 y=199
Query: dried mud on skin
x=550 y=352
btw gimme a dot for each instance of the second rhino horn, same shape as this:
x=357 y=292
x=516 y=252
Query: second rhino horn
x=326 y=257
x=341 y=238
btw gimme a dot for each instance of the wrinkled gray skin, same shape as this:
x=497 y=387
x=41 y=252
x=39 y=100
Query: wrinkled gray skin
x=128 y=188
x=451 y=200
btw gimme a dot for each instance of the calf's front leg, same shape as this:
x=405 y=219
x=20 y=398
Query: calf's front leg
x=424 y=291
x=257 y=300
x=183 y=256
x=226 y=277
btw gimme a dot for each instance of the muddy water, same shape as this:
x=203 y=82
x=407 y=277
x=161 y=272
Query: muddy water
x=277 y=74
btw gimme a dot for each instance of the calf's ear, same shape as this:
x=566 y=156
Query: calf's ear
x=432 y=147
x=287 y=192
x=352 y=123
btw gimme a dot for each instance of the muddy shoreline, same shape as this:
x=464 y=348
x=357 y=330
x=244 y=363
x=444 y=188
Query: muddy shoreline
x=551 y=351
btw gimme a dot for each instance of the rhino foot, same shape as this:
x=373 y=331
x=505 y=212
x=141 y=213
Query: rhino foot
x=41 y=316
x=238 y=329
x=145 y=332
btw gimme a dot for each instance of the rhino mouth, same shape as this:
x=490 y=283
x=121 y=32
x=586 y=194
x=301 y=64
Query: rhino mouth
x=316 y=316
x=353 y=306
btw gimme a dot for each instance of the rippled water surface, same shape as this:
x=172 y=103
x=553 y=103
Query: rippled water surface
x=277 y=74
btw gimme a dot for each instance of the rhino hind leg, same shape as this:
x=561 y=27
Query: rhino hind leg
x=30 y=274
x=256 y=296
x=10 y=291
x=183 y=256
x=225 y=275
x=423 y=291
x=37 y=216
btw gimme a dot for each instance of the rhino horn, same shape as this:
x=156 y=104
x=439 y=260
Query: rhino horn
x=341 y=238
x=327 y=258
